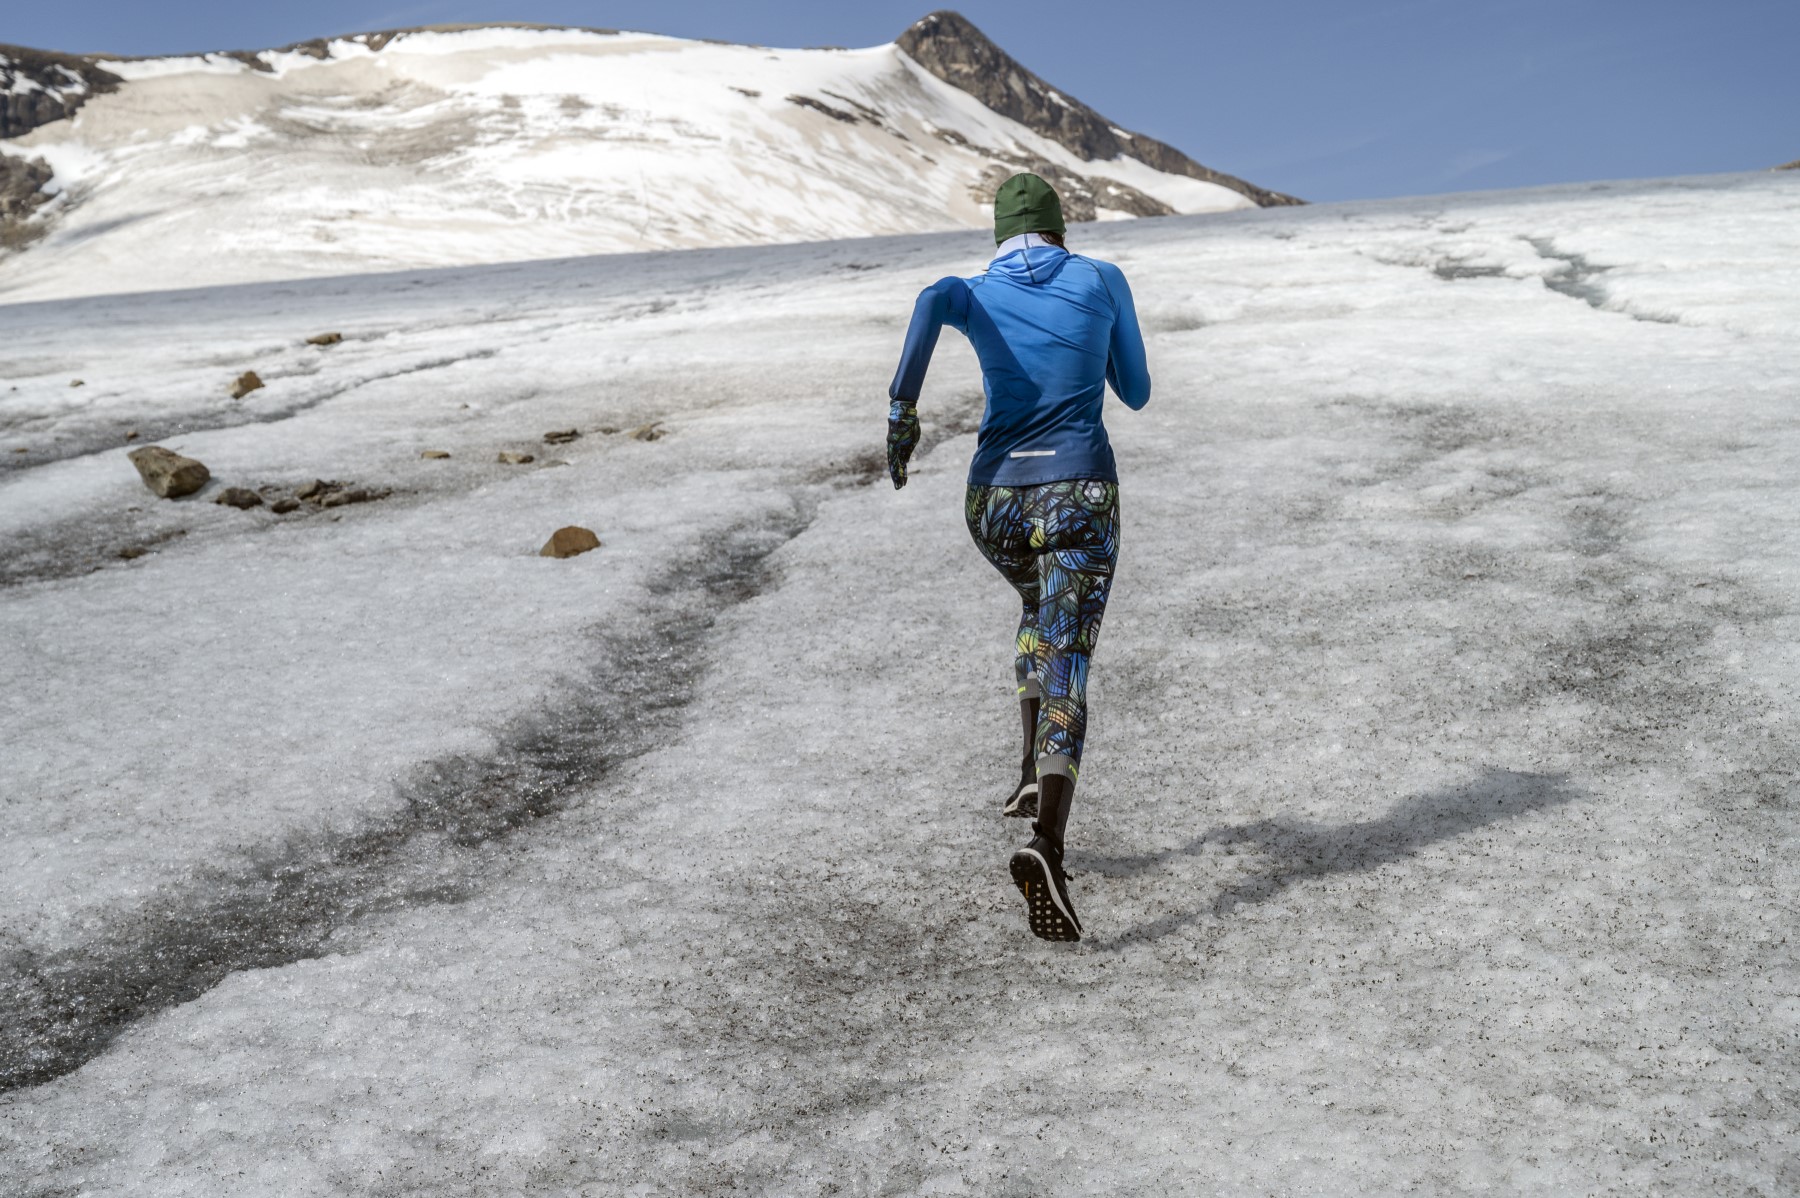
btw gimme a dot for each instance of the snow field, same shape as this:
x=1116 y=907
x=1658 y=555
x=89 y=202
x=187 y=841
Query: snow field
x=1433 y=832
x=493 y=145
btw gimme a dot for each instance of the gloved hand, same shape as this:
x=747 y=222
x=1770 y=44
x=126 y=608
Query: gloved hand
x=903 y=437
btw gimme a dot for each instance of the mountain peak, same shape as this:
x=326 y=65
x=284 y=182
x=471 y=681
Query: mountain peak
x=955 y=50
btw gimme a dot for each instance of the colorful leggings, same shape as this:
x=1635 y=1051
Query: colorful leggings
x=1057 y=543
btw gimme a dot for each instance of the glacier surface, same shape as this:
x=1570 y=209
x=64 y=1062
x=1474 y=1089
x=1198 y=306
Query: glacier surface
x=1437 y=831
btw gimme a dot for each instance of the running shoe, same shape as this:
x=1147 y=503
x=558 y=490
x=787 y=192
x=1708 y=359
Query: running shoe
x=1037 y=871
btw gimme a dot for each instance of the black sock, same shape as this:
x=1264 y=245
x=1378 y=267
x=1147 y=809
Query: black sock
x=1028 y=716
x=1054 y=793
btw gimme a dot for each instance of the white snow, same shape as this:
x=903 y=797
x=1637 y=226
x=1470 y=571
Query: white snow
x=1436 y=832
x=489 y=145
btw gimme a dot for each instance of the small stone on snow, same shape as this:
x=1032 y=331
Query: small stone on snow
x=508 y=458
x=569 y=541
x=435 y=454
x=246 y=383
x=239 y=497
x=168 y=473
x=325 y=339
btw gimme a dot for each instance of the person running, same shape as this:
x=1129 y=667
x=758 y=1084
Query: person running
x=1051 y=329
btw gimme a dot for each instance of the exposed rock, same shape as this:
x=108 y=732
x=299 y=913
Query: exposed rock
x=325 y=339
x=555 y=462
x=563 y=437
x=836 y=114
x=567 y=542
x=607 y=430
x=239 y=497
x=648 y=432
x=508 y=458
x=131 y=435
x=41 y=86
x=167 y=473
x=949 y=46
x=1790 y=166
x=245 y=384
x=1081 y=195
x=22 y=184
x=133 y=552
x=436 y=455
x=345 y=498
x=314 y=489
x=77 y=382
x=282 y=507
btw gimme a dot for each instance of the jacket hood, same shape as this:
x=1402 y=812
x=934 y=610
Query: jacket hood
x=1031 y=264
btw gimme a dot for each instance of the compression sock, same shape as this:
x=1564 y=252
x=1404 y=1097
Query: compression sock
x=1054 y=793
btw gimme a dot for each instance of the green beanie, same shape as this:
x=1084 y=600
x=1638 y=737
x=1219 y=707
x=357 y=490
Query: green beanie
x=1026 y=204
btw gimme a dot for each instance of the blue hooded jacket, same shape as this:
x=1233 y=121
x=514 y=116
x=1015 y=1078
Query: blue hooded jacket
x=1051 y=329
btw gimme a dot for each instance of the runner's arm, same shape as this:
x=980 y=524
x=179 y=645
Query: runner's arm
x=944 y=302
x=1126 y=368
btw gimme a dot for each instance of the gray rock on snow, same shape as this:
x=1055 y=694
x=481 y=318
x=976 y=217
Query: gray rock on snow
x=562 y=437
x=239 y=497
x=167 y=473
x=647 y=432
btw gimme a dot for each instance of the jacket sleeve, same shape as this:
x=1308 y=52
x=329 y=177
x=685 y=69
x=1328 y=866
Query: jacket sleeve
x=944 y=302
x=1126 y=368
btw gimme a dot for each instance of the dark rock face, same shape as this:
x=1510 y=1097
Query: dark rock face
x=40 y=86
x=949 y=46
x=22 y=183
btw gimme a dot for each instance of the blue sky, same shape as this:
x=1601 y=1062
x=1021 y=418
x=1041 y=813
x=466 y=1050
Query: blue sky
x=1328 y=101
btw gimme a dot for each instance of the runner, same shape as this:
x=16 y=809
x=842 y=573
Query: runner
x=1051 y=329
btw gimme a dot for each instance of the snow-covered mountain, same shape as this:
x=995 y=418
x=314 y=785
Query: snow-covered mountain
x=461 y=145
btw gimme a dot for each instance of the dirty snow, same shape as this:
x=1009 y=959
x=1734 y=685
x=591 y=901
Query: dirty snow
x=1436 y=833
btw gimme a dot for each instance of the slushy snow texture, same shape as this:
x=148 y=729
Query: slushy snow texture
x=1436 y=831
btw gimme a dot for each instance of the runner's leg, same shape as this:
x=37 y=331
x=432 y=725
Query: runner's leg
x=996 y=520
x=1077 y=525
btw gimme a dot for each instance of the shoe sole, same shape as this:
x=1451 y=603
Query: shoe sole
x=1044 y=909
x=1022 y=805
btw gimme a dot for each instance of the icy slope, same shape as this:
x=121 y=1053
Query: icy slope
x=1437 y=832
x=434 y=148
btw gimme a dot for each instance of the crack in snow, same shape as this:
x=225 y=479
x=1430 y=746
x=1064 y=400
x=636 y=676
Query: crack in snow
x=285 y=903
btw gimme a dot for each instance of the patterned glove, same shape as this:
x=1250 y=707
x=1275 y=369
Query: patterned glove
x=903 y=437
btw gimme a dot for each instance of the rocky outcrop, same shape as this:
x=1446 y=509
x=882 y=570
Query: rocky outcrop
x=1790 y=166
x=949 y=46
x=22 y=183
x=1081 y=195
x=41 y=86
x=246 y=383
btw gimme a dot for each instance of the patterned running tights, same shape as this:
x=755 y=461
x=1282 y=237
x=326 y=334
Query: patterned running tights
x=1057 y=544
